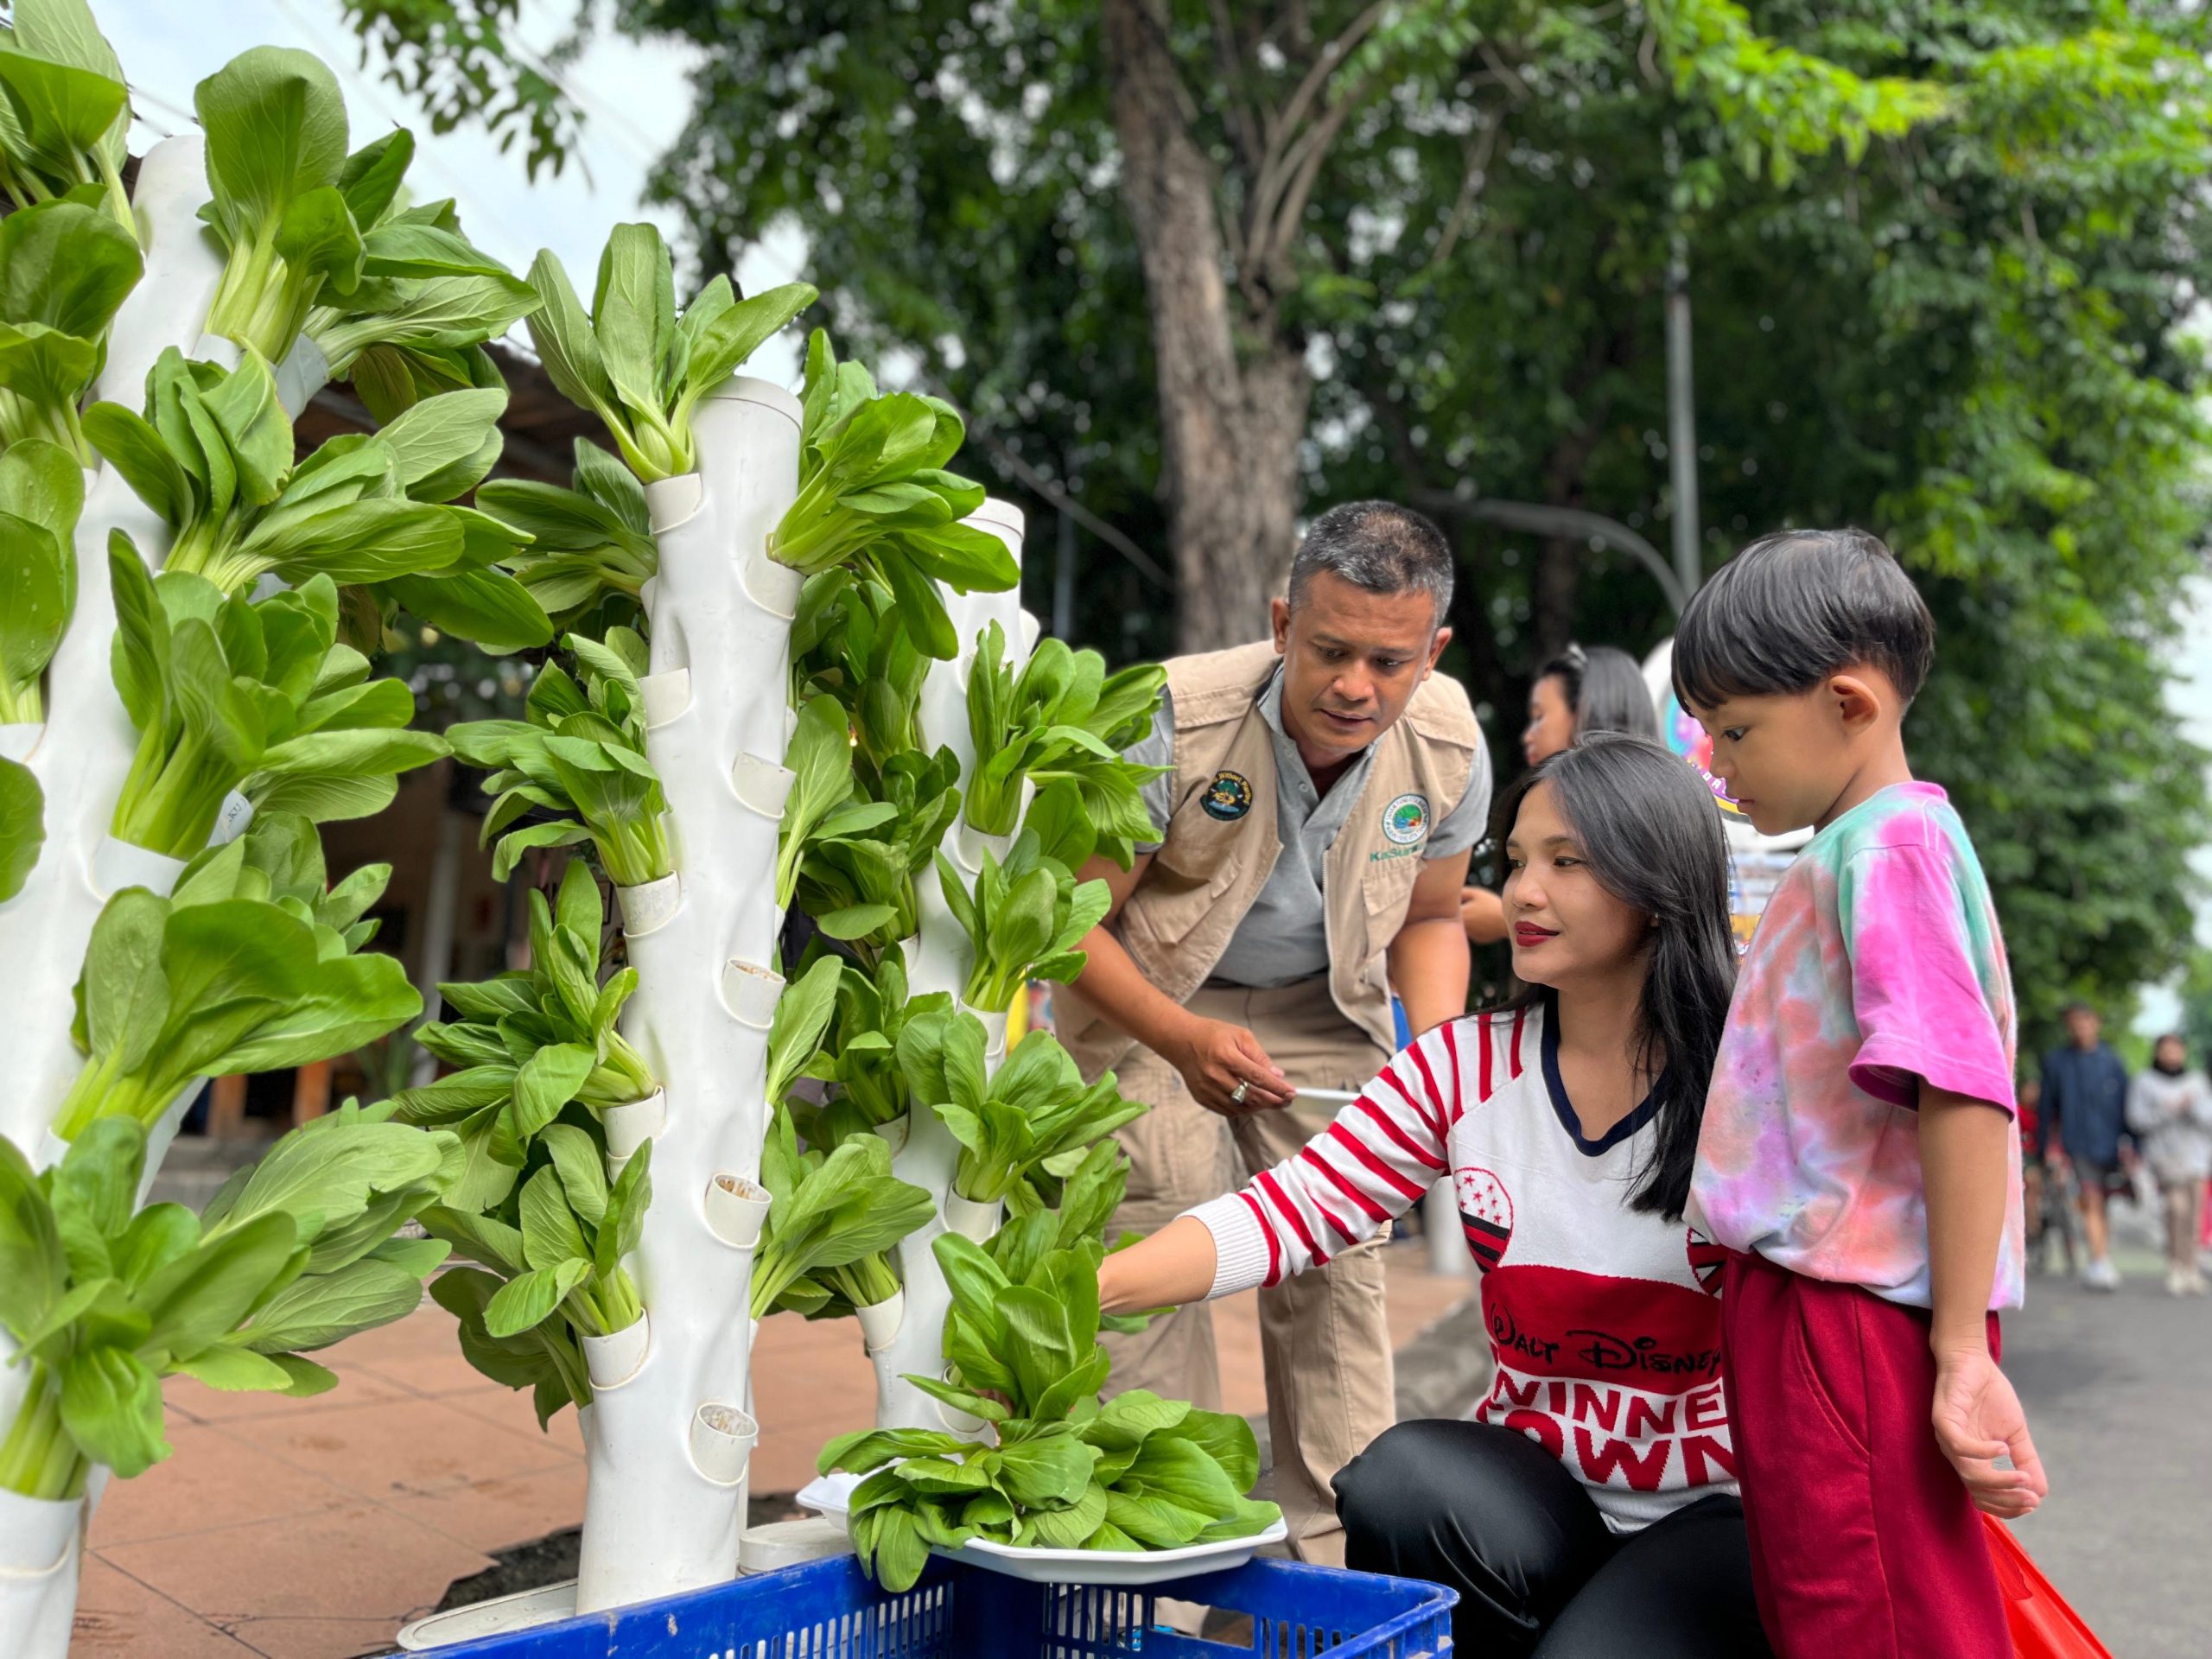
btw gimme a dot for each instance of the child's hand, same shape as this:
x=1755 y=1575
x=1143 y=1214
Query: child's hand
x=1978 y=1419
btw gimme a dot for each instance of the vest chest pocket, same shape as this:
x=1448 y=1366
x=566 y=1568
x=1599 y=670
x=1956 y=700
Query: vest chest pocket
x=1388 y=888
x=1177 y=894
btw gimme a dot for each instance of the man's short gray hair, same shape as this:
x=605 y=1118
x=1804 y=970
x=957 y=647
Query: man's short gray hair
x=1379 y=546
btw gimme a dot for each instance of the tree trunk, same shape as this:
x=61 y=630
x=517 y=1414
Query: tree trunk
x=1231 y=420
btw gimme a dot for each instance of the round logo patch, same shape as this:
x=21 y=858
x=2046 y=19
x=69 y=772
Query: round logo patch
x=1485 y=1214
x=1228 y=798
x=1406 y=819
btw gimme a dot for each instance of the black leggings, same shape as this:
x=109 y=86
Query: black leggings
x=1492 y=1514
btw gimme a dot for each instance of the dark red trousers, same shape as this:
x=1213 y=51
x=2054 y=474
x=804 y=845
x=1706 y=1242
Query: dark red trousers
x=1863 y=1542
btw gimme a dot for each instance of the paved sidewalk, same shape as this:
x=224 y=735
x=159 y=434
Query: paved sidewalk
x=313 y=1529
x=2119 y=1392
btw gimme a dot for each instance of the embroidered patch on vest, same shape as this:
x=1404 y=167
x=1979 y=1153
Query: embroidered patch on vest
x=1406 y=819
x=1228 y=798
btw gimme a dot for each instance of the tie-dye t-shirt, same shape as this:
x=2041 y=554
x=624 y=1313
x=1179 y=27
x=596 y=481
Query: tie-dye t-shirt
x=1878 y=964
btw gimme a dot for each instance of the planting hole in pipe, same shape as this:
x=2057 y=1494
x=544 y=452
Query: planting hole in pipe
x=722 y=1442
x=233 y=820
x=612 y=1360
x=35 y=1533
x=749 y=993
x=880 y=1322
x=629 y=1127
x=956 y=1420
x=673 y=501
x=118 y=864
x=667 y=696
x=651 y=906
x=774 y=587
x=970 y=1219
x=762 y=785
x=994 y=1024
x=736 y=1209
x=893 y=1134
x=968 y=844
x=19 y=738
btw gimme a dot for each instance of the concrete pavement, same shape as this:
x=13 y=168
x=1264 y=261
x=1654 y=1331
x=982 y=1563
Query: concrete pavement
x=2119 y=1392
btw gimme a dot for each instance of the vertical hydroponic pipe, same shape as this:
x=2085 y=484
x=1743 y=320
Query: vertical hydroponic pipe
x=79 y=758
x=667 y=1448
x=941 y=961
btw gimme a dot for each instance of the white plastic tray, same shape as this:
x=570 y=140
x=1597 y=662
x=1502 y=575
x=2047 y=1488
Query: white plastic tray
x=831 y=1496
x=1113 y=1565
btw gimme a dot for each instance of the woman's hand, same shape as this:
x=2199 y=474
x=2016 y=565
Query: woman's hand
x=1216 y=1058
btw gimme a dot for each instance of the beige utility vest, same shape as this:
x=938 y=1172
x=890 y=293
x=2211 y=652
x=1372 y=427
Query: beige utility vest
x=1223 y=840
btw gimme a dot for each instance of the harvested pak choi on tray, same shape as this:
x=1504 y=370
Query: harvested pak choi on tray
x=1137 y=1473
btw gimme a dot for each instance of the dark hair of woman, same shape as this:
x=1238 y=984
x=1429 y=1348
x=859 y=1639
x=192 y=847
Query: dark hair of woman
x=1647 y=826
x=1605 y=688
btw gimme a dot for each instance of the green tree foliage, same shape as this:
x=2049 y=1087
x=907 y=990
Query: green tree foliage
x=1938 y=256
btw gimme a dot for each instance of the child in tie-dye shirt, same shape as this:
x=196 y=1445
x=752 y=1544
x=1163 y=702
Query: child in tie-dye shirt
x=1859 y=1157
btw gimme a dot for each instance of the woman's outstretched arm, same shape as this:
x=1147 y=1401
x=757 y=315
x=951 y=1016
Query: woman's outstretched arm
x=1373 y=1163
x=1174 y=1266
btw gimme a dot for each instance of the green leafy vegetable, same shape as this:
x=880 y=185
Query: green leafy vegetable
x=820 y=759
x=579 y=763
x=231 y=692
x=254 y=963
x=632 y=361
x=213 y=456
x=276 y=125
x=22 y=826
x=836 y=1217
x=873 y=493
x=1020 y=1127
x=1063 y=719
x=857 y=1053
x=857 y=869
x=529 y=1043
x=1026 y=919
x=1138 y=1473
x=64 y=114
x=65 y=268
x=429 y=298
x=293 y=1255
x=850 y=639
x=586 y=542
x=42 y=493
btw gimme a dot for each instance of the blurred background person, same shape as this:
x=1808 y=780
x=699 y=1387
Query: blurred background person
x=1576 y=693
x=2170 y=1110
x=2085 y=1104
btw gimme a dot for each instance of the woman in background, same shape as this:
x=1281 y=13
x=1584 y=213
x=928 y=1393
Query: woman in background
x=2170 y=1110
x=1576 y=693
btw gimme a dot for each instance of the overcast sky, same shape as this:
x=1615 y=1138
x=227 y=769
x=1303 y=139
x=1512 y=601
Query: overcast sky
x=637 y=98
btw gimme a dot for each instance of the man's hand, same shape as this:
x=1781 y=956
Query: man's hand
x=1978 y=1419
x=1214 y=1057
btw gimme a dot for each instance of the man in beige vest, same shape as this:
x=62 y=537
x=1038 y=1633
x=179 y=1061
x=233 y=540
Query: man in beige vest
x=1326 y=787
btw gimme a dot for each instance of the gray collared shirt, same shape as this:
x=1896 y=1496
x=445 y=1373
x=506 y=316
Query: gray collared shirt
x=1284 y=937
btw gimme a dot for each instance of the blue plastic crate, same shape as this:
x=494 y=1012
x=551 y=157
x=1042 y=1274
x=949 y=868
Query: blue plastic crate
x=829 y=1610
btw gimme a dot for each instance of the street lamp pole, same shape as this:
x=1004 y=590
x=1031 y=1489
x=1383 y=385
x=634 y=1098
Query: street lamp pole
x=1681 y=419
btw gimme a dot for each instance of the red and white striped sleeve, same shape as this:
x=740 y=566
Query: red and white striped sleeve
x=1373 y=1164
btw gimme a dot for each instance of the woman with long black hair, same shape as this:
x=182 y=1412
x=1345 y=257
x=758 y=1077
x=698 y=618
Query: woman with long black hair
x=1589 y=1507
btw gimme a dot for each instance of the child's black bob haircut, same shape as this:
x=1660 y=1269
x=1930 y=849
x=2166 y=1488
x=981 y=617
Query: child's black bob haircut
x=1795 y=607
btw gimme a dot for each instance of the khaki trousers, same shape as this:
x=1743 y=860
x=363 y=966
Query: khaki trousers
x=1324 y=1338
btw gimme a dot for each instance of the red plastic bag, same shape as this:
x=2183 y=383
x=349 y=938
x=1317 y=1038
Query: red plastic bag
x=2043 y=1625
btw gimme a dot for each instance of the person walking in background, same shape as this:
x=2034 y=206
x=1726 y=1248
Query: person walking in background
x=1323 y=789
x=1576 y=693
x=2085 y=1101
x=2170 y=1110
